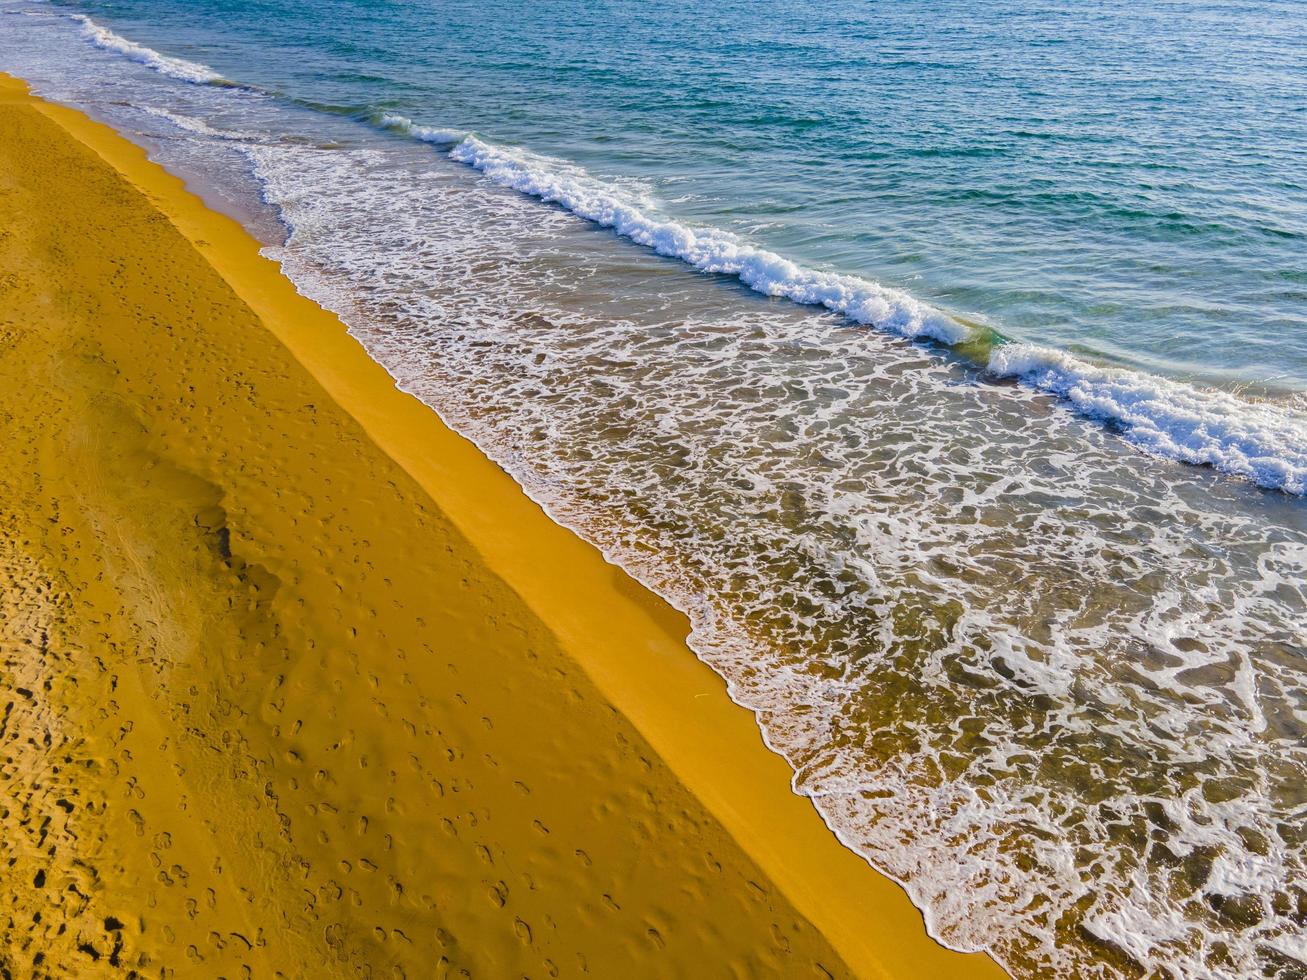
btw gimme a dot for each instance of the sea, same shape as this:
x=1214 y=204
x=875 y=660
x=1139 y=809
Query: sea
x=945 y=362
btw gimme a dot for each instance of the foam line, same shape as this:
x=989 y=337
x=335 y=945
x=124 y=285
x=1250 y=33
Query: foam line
x=179 y=68
x=1264 y=443
x=710 y=249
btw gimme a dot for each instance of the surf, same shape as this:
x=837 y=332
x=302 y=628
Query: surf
x=1263 y=443
x=178 y=68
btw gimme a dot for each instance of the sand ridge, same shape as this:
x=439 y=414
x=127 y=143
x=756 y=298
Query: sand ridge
x=270 y=711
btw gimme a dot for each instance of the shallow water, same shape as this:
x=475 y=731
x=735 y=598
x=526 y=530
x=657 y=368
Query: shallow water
x=1120 y=179
x=1051 y=682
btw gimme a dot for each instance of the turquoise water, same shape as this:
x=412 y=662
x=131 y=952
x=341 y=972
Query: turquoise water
x=1124 y=180
x=945 y=363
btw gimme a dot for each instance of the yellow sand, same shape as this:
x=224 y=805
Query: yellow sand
x=299 y=684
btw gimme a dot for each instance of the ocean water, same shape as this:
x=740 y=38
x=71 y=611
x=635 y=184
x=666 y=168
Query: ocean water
x=946 y=363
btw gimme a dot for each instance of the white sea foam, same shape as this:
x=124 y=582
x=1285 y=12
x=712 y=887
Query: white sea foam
x=196 y=126
x=179 y=68
x=1267 y=444
x=1263 y=443
x=427 y=134
x=709 y=249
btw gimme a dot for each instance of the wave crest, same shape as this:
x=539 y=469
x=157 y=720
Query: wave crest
x=1262 y=443
x=710 y=249
x=1266 y=444
x=179 y=68
x=427 y=134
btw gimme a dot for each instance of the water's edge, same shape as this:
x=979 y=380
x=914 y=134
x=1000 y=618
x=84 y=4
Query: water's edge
x=1262 y=442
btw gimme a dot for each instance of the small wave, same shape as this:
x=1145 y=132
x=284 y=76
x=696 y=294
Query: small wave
x=186 y=71
x=710 y=249
x=427 y=134
x=197 y=126
x=1263 y=443
x=1266 y=444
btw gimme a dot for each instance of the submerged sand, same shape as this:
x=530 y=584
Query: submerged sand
x=296 y=683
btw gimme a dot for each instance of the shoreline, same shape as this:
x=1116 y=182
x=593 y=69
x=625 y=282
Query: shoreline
x=711 y=746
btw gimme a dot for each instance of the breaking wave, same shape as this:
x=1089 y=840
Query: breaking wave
x=709 y=249
x=178 y=68
x=1264 y=443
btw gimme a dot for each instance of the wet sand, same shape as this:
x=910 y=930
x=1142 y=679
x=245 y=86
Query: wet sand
x=296 y=683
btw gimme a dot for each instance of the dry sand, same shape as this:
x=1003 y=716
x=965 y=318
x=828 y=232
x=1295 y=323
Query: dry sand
x=296 y=683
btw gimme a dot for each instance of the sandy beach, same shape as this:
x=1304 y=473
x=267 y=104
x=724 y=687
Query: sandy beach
x=297 y=683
